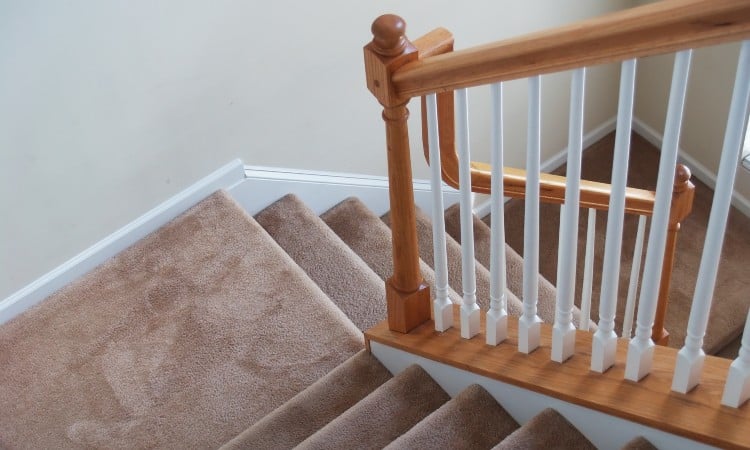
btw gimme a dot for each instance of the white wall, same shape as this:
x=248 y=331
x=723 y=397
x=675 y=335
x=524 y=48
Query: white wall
x=108 y=108
x=706 y=108
x=709 y=93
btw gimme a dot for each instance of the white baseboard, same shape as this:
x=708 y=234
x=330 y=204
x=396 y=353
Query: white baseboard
x=603 y=430
x=79 y=265
x=700 y=171
x=482 y=209
x=322 y=190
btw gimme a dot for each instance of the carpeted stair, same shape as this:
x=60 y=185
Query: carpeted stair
x=223 y=329
x=730 y=296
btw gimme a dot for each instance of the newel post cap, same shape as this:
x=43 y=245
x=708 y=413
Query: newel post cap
x=389 y=35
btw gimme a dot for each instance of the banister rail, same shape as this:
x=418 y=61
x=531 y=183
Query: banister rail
x=398 y=70
x=653 y=29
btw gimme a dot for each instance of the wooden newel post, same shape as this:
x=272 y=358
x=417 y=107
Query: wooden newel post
x=407 y=296
x=682 y=203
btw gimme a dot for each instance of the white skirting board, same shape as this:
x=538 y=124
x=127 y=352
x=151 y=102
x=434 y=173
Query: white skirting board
x=79 y=265
x=700 y=171
x=253 y=187
x=323 y=190
x=482 y=208
x=603 y=430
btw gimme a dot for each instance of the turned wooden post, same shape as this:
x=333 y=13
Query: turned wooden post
x=682 y=203
x=407 y=296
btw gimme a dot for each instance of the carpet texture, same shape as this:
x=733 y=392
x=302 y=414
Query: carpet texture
x=370 y=238
x=455 y=277
x=471 y=420
x=639 y=443
x=730 y=299
x=548 y=429
x=513 y=265
x=178 y=342
x=327 y=260
x=387 y=413
x=314 y=407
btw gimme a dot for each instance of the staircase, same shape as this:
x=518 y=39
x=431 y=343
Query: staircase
x=220 y=329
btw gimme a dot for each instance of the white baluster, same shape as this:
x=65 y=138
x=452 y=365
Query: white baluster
x=469 y=308
x=442 y=306
x=605 y=340
x=737 y=388
x=690 y=358
x=641 y=347
x=497 y=316
x=588 y=272
x=529 y=322
x=635 y=270
x=563 y=331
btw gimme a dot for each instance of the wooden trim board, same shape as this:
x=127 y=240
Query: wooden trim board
x=482 y=207
x=697 y=415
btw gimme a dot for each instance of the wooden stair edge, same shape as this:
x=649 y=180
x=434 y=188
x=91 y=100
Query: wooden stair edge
x=697 y=415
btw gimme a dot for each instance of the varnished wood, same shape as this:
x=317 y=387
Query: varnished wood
x=658 y=28
x=552 y=187
x=697 y=415
x=407 y=310
x=683 y=194
x=407 y=296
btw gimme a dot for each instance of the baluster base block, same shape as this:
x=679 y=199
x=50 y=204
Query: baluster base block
x=563 y=342
x=529 y=331
x=407 y=310
x=443 y=313
x=737 y=389
x=603 y=351
x=640 y=359
x=497 y=327
x=687 y=371
x=469 y=321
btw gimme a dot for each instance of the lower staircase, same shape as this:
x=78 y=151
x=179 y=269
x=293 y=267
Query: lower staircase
x=223 y=329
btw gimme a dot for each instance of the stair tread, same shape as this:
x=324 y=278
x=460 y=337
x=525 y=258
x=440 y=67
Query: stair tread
x=331 y=263
x=313 y=408
x=548 y=429
x=455 y=277
x=471 y=420
x=385 y=414
x=513 y=265
x=639 y=443
x=178 y=341
x=370 y=238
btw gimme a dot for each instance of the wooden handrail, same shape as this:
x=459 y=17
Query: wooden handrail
x=552 y=187
x=407 y=296
x=653 y=29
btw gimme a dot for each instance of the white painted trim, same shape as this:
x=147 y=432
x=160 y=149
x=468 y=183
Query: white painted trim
x=322 y=190
x=603 y=430
x=482 y=209
x=700 y=171
x=223 y=178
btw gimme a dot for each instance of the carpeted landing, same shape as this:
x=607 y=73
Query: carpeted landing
x=223 y=329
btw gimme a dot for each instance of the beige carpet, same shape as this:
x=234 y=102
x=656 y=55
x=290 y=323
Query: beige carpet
x=207 y=333
x=730 y=300
x=178 y=342
x=327 y=260
x=387 y=413
x=370 y=238
x=472 y=420
x=314 y=407
x=548 y=429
